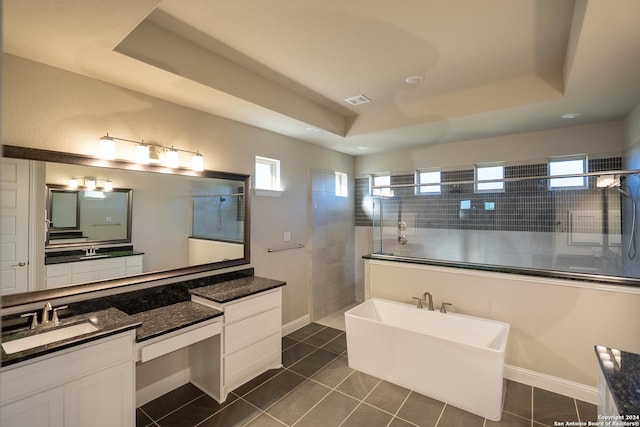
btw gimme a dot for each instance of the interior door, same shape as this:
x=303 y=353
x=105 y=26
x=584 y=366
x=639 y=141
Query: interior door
x=14 y=226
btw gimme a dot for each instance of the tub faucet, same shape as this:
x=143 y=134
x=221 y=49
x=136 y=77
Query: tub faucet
x=424 y=299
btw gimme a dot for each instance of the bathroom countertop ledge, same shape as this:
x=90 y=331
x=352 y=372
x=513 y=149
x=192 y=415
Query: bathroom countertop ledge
x=235 y=289
x=62 y=259
x=623 y=380
x=171 y=318
x=111 y=321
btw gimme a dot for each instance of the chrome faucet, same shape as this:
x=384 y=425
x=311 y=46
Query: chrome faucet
x=424 y=299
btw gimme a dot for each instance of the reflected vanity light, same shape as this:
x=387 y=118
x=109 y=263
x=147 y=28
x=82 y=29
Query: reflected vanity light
x=146 y=153
x=90 y=183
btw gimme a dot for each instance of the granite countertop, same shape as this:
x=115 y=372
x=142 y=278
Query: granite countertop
x=110 y=321
x=153 y=311
x=76 y=257
x=235 y=289
x=172 y=317
x=621 y=370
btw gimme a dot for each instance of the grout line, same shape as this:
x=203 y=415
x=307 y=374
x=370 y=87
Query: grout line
x=361 y=401
x=177 y=409
x=441 y=413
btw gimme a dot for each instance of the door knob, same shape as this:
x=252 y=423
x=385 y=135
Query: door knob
x=20 y=264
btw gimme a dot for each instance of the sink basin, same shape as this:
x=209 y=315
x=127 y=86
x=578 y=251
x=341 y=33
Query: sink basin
x=93 y=256
x=49 y=337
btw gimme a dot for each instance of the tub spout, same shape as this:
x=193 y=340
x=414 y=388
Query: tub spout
x=428 y=296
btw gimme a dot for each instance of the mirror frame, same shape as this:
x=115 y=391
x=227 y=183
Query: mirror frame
x=51 y=188
x=12 y=151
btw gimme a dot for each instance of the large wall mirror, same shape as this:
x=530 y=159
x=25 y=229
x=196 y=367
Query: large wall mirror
x=175 y=221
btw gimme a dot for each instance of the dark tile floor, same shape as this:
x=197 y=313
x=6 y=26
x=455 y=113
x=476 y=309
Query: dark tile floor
x=316 y=387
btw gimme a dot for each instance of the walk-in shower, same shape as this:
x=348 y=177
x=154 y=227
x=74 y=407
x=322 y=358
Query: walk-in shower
x=528 y=224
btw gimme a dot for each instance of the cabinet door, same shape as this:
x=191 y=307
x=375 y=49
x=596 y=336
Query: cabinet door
x=42 y=410
x=105 y=398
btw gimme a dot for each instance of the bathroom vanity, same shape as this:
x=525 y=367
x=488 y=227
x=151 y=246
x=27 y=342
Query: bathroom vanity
x=230 y=322
x=618 y=386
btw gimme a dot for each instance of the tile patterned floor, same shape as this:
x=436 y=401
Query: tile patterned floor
x=316 y=388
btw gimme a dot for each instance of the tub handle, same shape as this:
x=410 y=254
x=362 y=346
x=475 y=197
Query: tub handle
x=419 y=302
x=443 y=307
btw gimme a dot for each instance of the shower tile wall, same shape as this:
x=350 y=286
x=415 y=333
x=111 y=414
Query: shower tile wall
x=332 y=275
x=517 y=227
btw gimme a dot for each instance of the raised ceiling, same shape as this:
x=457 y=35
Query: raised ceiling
x=489 y=68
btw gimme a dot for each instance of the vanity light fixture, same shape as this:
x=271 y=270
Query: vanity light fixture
x=146 y=153
x=90 y=183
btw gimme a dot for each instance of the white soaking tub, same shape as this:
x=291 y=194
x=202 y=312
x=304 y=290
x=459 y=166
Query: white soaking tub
x=451 y=357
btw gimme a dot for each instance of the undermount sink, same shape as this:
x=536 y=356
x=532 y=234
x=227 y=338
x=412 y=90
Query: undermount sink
x=48 y=337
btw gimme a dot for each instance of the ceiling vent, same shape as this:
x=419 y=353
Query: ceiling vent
x=358 y=100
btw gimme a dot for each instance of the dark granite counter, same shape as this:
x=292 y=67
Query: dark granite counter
x=110 y=321
x=235 y=289
x=77 y=256
x=172 y=317
x=621 y=371
x=153 y=311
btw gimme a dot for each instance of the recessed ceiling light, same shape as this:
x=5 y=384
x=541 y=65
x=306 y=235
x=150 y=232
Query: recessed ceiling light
x=362 y=147
x=571 y=115
x=414 y=80
x=358 y=100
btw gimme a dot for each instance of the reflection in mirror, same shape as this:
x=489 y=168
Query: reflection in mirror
x=181 y=221
x=80 y=217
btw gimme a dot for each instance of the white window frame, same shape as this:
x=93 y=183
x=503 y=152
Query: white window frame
x=554 y=168
x=432 y=178
x=272 y=182
x=342 y=184
x=489 y=187
x=376 y=180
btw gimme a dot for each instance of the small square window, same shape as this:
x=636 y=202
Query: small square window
x=267 y=174
x=381 y=180
x=568 y=166
x=493 y=174
x=432 y=179
x=342 y=184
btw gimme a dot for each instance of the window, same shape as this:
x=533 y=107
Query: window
x=568 y=166
x=489 y=173
x=382 y=180
x=432 y=178
x=342 y=184
x=267 y=174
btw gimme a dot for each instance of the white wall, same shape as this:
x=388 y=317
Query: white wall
x=48 y=108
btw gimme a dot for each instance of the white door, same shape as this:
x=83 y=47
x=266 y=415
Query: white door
x=14 y=226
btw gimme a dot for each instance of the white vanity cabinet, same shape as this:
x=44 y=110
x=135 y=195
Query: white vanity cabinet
x=251 y=339
x=71 y=273
x=88 y=385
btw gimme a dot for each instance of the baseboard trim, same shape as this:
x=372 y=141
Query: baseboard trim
x=551 y=383
x=296 y=324
x=165 y=385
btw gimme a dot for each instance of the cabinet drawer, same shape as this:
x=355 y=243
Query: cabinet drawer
x=97 y=264
x=55 y=270
x=251 y=330
x=56 y=282
x=252 y=305
x=182 y=339
x=133 y=261
x=243 y=365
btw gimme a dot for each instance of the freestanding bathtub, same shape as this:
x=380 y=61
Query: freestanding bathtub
x=454 y=358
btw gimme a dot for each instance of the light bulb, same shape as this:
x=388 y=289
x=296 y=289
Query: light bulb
x=197 y=162
x=142 y=154
x=172 y=158
x=108 y=185
x=90 y=183
x=73 y=183
x=107 y=148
